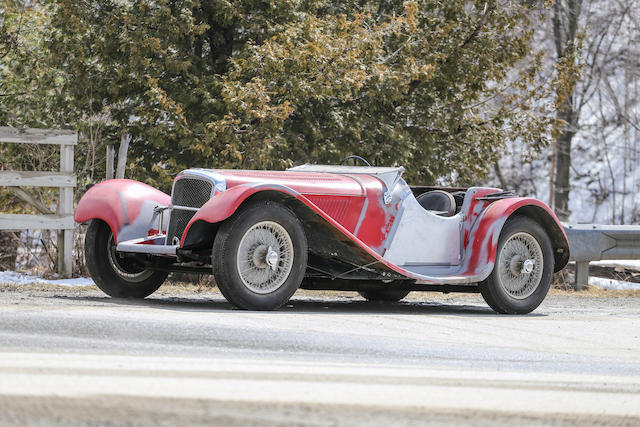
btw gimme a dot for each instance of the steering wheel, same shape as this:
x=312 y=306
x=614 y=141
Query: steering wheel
x=355 y=158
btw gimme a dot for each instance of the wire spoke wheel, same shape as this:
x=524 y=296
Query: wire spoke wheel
x=265 y=257
x=259 y=256
x=523 y=269
x=520 y=265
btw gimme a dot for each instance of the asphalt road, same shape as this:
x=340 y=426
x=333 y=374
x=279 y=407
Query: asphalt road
x=75 y=357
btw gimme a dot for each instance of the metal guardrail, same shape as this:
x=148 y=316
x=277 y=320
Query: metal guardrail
x=590 y=242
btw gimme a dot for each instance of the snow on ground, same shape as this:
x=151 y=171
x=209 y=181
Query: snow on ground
x=630 y=264
x=612 y=284
x=15 y=278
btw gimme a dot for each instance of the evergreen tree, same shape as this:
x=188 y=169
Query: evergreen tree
x=437 y=86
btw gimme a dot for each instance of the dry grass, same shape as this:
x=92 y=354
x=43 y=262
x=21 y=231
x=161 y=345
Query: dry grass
x=589 y=292
x=596 y=292
x=184 y=289
x=12 y=287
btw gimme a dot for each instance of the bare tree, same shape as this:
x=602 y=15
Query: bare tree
x=597 y=143
x=566 y=14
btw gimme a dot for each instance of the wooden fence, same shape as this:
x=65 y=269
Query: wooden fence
x=65 y=180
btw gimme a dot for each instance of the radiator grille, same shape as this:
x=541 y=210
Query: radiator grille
x=178 y=222
x=191 y=192
x=186 y=192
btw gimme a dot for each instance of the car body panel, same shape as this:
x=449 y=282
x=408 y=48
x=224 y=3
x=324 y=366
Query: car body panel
x=308 y=183
x=127 y=206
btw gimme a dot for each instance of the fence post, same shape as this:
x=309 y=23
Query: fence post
x=65 y=179
x=125 y=139
x=111 y=157
x=65 y=207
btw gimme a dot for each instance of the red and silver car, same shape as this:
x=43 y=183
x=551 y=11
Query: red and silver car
x=264 y=234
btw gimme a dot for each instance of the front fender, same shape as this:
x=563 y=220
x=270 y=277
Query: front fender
x=224 y=204
x=127 y=206
x=483 y=239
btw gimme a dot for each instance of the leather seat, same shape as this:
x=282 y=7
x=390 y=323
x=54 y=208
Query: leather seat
x=438 y=202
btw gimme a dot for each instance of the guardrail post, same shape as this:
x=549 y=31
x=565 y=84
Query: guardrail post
x=582 y=275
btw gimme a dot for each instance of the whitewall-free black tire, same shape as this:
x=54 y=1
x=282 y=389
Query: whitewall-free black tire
x=114 y=275
x=523 y=271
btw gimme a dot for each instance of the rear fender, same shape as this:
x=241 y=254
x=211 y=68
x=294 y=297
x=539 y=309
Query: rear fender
x=126 y=206
x=480 y=250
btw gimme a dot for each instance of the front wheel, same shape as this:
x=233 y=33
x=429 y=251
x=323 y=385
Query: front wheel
x=114 y=275
x=523 y=269
x=260 y=256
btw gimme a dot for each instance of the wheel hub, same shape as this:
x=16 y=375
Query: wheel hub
x=517 y=266
x=265 y=257
x=259 y=256
x=272 y=258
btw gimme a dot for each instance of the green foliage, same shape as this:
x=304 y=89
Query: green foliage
x=437 y=86
x=426 y=85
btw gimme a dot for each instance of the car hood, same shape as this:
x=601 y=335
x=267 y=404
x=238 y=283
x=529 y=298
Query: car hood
x=302 y=182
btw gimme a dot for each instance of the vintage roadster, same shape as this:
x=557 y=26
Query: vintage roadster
x=264 y=234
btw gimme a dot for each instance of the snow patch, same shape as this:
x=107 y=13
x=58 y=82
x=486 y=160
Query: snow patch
x=612 y=284
x=14 y=278
x=630 y=264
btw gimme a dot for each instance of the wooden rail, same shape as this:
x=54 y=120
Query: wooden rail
x=65 y=180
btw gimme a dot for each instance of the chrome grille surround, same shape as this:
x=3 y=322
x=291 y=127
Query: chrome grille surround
x=188 y=195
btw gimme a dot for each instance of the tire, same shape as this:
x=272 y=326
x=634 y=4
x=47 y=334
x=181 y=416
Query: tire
x=510 y=288
x=384 y=295
x=260 y=256
x=115 y=276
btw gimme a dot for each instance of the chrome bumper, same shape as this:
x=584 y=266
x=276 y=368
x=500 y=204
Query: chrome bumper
x=145 y=245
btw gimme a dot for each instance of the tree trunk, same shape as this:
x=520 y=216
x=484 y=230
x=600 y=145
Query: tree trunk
x=565 y=26
x=122 y=155
x=562 y=182
x=498 y=172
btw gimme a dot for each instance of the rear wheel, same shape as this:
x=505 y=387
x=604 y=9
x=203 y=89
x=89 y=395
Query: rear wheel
x=114 y=275
x=523 y=270
x=260 y=256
